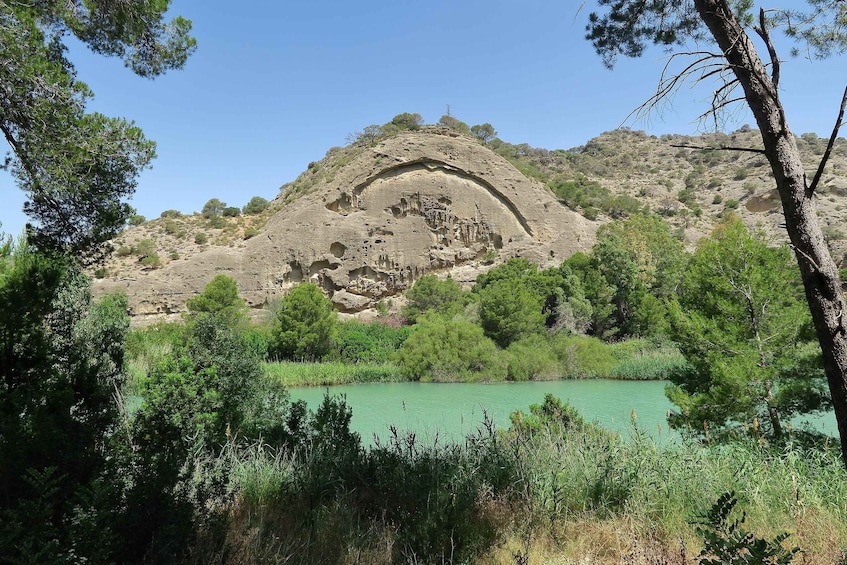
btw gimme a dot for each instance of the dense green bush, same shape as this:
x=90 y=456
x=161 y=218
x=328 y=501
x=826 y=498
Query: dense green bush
x=220 y=297
x=449 y=350
x=201 y=238
x=357 y=342
x=304 y=325
x=430 y=294
x=582 y=357
x=231 y=211
x=257 y=205
x=532 y=358
x=508 y=311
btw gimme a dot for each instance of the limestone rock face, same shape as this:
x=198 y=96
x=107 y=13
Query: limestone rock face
x=412 y=204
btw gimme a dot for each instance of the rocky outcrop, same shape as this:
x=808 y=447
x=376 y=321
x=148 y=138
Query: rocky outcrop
x=415 y=203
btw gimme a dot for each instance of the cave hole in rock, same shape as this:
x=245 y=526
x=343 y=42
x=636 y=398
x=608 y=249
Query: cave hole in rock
x=296 y=274
x=322 y=264
x=338 y=249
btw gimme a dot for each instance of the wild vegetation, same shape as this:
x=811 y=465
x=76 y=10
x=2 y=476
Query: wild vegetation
x=193 y=451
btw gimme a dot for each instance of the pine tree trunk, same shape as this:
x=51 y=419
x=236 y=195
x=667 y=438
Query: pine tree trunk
x=819 y=272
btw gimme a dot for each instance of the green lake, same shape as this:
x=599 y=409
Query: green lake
x=452 y=411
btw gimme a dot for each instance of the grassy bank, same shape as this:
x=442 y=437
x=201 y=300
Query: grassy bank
x=575 y=357
x=554 y=490
x=290 y=373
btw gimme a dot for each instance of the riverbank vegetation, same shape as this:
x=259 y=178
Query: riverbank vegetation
x=213 y=463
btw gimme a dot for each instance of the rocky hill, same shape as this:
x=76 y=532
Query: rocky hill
x=363 y=223
x=370 y=218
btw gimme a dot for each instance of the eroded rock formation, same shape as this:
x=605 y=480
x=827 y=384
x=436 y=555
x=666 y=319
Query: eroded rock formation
x=415 y=203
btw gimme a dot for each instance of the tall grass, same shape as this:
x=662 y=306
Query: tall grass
x=290 y=373
x=566 y=493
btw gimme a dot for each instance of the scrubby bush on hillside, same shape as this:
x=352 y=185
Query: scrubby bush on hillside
x=257 y=205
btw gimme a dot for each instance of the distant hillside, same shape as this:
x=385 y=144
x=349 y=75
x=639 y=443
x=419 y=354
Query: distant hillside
x=369 y=218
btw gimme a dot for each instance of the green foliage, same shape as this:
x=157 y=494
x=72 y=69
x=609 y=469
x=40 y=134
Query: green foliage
x=137 y=220
x=444 y=350
x=357 y=342
x=201 y=238
x=454 y=124
x=551 y=416
x=583 y=357
x=250 y=232
x=290 y=373
x=257 y=205
x=231 y=212
x=207 y=392
x=145 y=247
x=305 y=324
x=429 y=294
x=739 y=320
x=61 y=359
x=219 y=297
x=407 y=121
x=151 y=261
x=509 y=311
x=214 y=207
x=484 y=132
x=532 y=358
x=170 y=214
x=51 y=135
x=642 y=263
x=726 y=542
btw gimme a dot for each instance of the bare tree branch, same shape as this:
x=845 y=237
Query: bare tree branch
x=721 y=148
x=810 y=190
x=762 y=30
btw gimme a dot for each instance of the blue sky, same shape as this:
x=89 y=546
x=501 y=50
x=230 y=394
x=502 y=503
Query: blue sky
x=273 y=85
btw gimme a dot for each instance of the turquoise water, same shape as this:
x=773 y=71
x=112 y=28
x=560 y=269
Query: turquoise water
x=453 y=410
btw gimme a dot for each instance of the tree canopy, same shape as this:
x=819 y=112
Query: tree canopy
x=718 y=39
x=76 y=167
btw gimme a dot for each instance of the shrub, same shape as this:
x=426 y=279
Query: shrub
x=429 y=294
x=357 y=342
x=145 y=247
x=305 y=324
x=731 y=204
x=201 y=238
x=170 y=214
x=219 y=297
x=250 y=232
x=717 y=199
x=257 y=205
x=213 y=207
x=532 y=359
x=217 y=222
x=137 y=220
x=124 y=251
x=171 y=227
x=449 y=350
x=583 y=357
x=231 y=212
x=407 y=121
x=508 y=310
x=152 y=260
x=101 y=272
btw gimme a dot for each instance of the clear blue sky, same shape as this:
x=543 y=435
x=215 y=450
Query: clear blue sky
x=273 y=85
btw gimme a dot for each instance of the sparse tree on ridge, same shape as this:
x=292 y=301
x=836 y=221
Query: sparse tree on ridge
x=484 y=132
x=625 y=27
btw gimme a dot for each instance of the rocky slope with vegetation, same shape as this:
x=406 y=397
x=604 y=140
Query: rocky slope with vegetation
x=403 y=200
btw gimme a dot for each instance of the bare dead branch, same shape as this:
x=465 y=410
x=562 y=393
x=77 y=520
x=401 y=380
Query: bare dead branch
x=810 y=190
x=720 y=148
x=762 y=30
